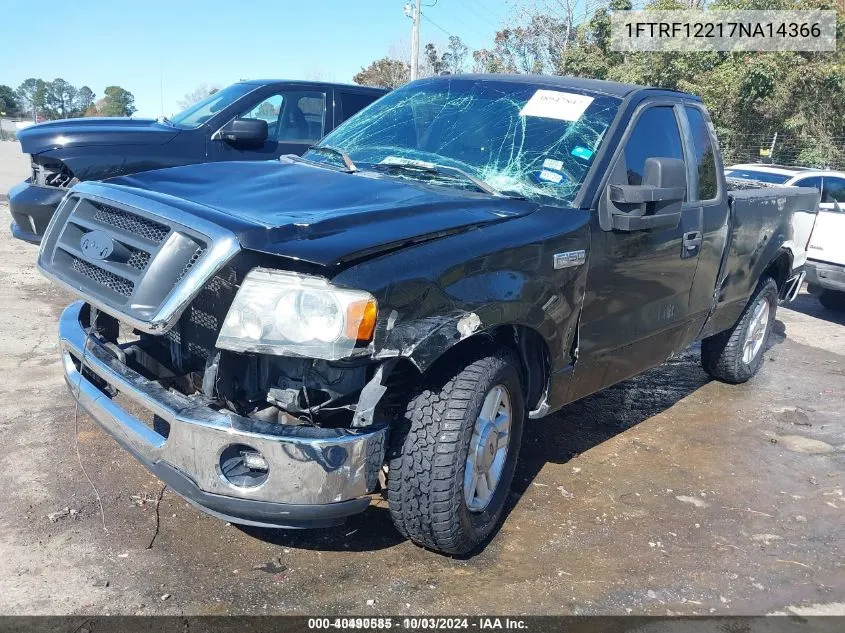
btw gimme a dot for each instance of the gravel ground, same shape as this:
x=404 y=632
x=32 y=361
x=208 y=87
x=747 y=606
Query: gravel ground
x=668 y=493
x=14 y=166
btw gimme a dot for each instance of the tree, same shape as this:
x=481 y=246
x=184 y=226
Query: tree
x=454 y=59
x=60 y=99
x=198 y=94
x=434 y=63
x=385 y=73
x=267 y=110
x=116 y=101
x=8 y=101
x=769 y=91
x=84 y=100
x=32 y=94
x=534 y=45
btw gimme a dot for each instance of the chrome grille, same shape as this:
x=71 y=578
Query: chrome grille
x=190 y=264
x=135 y=224
x=129 y=255
x=196 y=333
x=102 y=277
x=138 y=260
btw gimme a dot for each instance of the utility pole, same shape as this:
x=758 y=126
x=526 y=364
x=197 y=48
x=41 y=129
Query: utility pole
x=413 y=12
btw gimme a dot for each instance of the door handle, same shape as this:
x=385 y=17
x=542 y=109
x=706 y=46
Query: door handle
x=692 y=240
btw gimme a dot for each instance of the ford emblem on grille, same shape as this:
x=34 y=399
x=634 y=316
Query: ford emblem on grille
x=96 y=245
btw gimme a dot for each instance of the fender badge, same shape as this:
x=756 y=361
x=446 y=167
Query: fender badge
x=569 y=259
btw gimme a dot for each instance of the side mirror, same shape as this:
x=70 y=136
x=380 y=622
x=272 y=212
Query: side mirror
x=245 y=131
x=658 y=199
x=837 y=207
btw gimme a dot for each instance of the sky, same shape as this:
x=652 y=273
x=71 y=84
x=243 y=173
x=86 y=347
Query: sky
x=161 y=51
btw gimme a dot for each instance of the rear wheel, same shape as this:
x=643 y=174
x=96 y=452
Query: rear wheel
x=832 y=300
x=735 y=355
x=452 y=465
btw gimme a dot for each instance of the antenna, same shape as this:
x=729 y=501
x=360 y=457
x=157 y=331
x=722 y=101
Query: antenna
x=161 y=84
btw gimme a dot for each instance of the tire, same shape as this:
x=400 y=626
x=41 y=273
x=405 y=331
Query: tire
x=724 y=355
x=428 y=455
x=832 y=300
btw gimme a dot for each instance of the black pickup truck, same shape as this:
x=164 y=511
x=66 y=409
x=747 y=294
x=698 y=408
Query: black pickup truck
x=385 y=312
x=250 y=120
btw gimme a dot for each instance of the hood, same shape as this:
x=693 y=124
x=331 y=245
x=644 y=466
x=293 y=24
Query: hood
x=317 y=214
x=94 y=131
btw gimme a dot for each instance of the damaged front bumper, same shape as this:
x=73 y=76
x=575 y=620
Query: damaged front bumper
x=314 y=476
x=32 y=207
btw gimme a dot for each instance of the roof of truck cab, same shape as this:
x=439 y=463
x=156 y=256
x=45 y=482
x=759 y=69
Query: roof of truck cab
x=611 y=88
x=306 y=82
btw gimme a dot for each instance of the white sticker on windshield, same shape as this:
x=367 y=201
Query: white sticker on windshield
x=553 y=164
x=550 y=176
x=551 y=104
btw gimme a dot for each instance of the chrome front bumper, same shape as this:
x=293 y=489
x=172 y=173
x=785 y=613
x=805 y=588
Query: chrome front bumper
x=315 y=477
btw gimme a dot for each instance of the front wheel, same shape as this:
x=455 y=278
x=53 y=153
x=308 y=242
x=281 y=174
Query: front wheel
x=735 y=355
x=453 y=463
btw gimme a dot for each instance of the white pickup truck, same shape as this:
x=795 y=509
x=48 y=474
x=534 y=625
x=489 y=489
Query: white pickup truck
x=826 y=259
x=825 y=265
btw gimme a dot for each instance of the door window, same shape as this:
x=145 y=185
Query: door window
x=704 y=158
x=834 y=190
x=292 y=116
x=303 y=117
x=268 y=110
x=815 y=182
x=655 y=134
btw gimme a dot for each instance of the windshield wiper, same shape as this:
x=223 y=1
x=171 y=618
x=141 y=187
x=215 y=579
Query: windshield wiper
x=350 y=166
x=437 y=170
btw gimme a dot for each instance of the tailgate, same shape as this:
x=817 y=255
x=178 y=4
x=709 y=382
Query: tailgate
x=827 y=243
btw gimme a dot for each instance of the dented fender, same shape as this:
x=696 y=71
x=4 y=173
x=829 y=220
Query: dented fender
x=434 y=295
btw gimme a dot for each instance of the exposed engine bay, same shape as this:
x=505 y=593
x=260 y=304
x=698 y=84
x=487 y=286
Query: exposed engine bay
x=347 y=393
x=49 y=172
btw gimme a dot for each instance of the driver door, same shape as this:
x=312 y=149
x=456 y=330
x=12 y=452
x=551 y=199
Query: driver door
x=296 y=120
x=636 y=306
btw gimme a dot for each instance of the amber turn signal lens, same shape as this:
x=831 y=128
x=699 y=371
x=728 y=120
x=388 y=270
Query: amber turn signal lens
x=361 y=320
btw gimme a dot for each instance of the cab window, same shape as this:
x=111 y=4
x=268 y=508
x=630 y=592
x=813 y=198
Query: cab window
x=834 y=190
x=353 y=102
x=814 y=181
x=704 y=157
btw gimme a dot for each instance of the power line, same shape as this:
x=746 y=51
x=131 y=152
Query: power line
x=436 y=25
x=470 y=7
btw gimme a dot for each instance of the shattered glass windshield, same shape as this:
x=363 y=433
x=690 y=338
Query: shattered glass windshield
x=520 y=140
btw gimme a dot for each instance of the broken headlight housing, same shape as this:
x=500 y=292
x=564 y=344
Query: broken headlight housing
x=283 y=313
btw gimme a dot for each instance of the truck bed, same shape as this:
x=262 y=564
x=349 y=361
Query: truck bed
x=762 y=221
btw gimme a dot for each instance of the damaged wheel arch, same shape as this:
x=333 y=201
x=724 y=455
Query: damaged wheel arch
x=464 y=335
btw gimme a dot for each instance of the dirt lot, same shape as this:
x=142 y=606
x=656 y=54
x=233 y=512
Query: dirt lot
x=14 y=167
x=666 y=494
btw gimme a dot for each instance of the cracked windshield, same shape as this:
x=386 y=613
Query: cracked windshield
x=498 y=137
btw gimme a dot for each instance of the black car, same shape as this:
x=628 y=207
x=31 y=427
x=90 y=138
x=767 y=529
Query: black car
x=249 y=120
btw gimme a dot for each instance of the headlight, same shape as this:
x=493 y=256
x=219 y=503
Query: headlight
x=282 y=313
